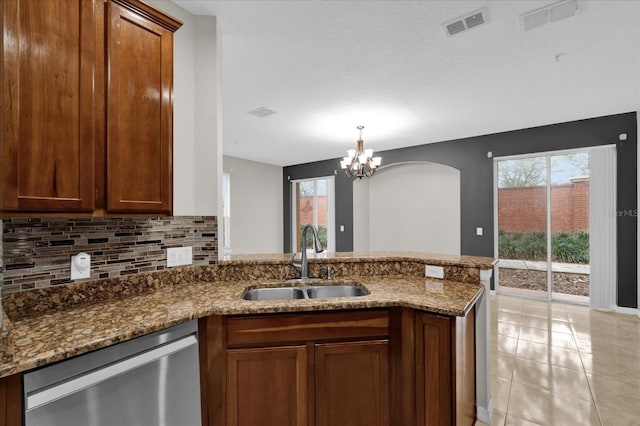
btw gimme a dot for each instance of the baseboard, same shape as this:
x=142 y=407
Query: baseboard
x=626 y=311
x=492 y=292
x=485 y=414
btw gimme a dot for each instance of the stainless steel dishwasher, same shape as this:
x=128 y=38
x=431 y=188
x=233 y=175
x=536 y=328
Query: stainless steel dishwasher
x=152 y=380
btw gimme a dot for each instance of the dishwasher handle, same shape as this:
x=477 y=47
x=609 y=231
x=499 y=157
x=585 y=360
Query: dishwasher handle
x=62 y=389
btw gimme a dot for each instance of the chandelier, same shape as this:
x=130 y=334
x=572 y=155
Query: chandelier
x=360 y=162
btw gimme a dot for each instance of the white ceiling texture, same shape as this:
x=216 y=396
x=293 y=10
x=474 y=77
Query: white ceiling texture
x=326 y=67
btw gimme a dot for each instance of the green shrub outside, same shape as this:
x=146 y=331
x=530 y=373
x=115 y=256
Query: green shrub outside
x=565 y=247
x=322 y=236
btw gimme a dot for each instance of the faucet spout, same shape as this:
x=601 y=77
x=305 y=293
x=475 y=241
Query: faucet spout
x=303 y=265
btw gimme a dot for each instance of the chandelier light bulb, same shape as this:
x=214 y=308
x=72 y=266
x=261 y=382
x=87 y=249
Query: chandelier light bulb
x=360 y=162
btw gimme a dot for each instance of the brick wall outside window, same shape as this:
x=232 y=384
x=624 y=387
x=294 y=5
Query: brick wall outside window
x=523 y=209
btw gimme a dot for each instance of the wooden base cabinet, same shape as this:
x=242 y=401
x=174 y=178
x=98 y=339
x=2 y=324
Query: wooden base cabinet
x=379 y=367
x=445 y=369
x=270 y=386
x=352 y=383
x=267 y=386
x=11 y=400
x=319 y=369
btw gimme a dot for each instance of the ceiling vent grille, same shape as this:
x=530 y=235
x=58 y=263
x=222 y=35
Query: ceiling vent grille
x=261 y=112
x=545 y=15
x=466 y=22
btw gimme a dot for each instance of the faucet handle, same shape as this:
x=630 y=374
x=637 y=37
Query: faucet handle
x=296 y=265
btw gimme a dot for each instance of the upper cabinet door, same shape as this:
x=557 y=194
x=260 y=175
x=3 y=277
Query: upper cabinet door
x=48 y=116
x=139 y=110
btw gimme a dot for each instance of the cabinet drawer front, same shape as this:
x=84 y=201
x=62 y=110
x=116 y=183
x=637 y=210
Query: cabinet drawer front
x=270 y=329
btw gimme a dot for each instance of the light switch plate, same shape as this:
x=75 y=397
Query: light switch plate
x=479 y=230
x=179 y=256
x=434 y=271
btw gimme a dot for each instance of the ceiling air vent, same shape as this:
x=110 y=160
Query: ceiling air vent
x=466 y=22
x=261 y=112
x=545 y=15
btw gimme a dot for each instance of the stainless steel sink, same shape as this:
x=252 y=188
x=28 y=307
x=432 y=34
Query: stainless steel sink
x=304 y=292
x=321 y=292
x=278 y=293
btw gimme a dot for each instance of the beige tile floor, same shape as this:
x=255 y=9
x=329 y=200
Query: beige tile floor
x=556 y=364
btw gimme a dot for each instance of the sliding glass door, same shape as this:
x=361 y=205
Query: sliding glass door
x=569 y=220
x=522 y=225
x=542 y=215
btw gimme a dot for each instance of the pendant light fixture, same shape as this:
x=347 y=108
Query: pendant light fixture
x=360 y=162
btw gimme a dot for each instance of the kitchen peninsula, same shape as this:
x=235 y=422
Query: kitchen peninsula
x=412 y=336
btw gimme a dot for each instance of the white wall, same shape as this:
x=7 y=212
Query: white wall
x=197 y=141
x=361 y=214
x=256 y=206
x=412 y=206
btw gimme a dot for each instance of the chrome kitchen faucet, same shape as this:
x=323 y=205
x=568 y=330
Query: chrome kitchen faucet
x=303 y=265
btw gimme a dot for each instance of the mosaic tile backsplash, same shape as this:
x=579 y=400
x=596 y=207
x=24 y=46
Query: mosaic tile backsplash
x=36 y=252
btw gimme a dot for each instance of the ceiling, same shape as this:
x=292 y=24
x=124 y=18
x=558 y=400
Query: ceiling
x=326 y=67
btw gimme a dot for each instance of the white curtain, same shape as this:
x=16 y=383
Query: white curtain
x=602 y=228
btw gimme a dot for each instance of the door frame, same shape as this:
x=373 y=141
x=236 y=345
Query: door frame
x=548 y=155
x=331 y=211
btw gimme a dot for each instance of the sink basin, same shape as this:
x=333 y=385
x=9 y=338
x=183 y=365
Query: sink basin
x=279 y=293
x=320 y=292
x=303 y=292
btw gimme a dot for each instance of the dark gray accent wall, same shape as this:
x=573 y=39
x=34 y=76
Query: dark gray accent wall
x=469 y=155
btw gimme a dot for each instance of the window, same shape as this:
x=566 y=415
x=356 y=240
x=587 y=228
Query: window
x=226 y=212
x=313 y=203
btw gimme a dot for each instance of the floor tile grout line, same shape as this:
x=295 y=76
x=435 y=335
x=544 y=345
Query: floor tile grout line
x=584 y=371
x=513 y=372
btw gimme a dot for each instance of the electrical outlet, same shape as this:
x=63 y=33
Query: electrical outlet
x=80 y=266
x=179 y=256
x=434 y=271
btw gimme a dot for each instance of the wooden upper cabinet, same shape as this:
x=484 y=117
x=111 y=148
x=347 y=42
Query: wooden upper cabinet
x=48 y=115
x=86 y=121
x=139 y=109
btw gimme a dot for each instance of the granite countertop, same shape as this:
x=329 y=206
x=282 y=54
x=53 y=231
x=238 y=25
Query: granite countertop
x=432 y=258
x=52 y=336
